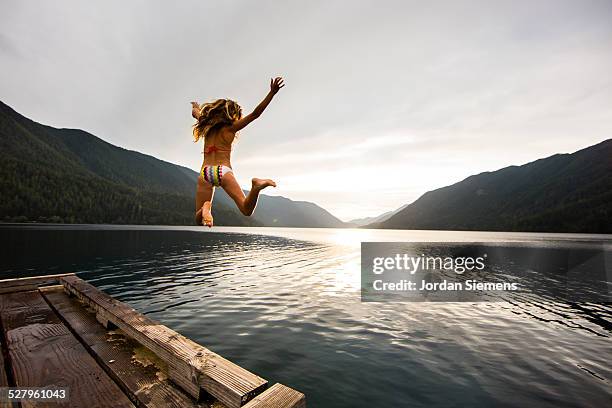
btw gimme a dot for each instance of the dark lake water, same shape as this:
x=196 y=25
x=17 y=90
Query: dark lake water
x=285 y=304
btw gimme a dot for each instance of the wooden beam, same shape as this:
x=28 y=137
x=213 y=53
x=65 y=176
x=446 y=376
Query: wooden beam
x=31 y=283
x=44 y=353
x=278 y=396
x=3 y=378
x=190 y=365
x=127 y=362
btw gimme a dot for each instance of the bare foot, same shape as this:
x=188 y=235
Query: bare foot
x=207 y=218
x=260 y=184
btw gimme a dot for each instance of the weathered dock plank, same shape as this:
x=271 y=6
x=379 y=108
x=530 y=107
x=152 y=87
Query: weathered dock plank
x=26 y=284
x=3 y=374
x=190 y=365
x=43 y=352
x=135 y=369
x=3 y=378
x=278 y=396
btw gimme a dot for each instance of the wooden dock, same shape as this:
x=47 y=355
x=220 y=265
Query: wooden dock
x=60 y=331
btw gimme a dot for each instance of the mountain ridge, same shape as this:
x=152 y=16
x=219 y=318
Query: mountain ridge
x=359 y=222
x=77 y=177
x=565 y=192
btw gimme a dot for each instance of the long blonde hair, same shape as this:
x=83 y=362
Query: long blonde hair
x=213 y=115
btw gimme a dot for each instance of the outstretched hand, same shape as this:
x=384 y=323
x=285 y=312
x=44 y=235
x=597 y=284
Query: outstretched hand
x=276 y=84
x=195 y=109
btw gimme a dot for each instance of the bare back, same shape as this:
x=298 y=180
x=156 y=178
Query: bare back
x=218 y=147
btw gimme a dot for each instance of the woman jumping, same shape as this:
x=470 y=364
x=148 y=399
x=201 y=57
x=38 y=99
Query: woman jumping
x=217 y=123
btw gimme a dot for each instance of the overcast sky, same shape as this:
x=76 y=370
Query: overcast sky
x=384 y=101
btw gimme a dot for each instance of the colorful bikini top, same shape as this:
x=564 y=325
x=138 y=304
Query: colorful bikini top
x=213 y=149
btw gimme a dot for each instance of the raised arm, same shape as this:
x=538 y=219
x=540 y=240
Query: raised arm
x=195 y=110
x=275 y=85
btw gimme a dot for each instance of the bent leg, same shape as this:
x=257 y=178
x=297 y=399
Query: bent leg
x=204 y=196
x=247 y=204
x=232 y=188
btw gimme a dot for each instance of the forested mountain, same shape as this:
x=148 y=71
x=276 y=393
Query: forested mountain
x=71 y=176
x=561 y=193
x=281 y=211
